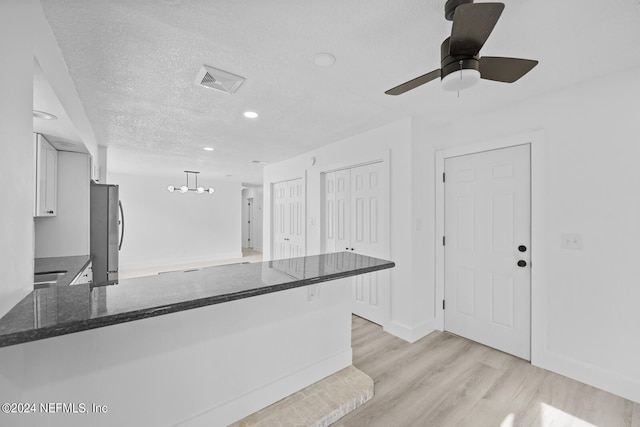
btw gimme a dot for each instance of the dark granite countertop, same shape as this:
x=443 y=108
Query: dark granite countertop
x=62 y=310
x=73 y=265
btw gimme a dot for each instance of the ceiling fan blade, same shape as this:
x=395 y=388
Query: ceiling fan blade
x=412 y=84
x=472 y=25
x=506 y=70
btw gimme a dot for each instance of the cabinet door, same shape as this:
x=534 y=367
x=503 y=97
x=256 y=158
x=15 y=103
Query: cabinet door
x=46 y=178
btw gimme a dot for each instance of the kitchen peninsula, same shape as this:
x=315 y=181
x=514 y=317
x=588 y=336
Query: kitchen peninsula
x=208 y=346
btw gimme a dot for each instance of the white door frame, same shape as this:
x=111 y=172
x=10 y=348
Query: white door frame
x=271 y=208
x=538 y=208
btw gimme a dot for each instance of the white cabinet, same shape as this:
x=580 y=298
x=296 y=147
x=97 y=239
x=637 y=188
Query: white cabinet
x=46 y=177
x=85 y=276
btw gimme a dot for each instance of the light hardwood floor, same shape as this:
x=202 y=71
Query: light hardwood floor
x=445 y=380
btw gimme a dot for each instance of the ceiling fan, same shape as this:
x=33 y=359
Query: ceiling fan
x=460 y=61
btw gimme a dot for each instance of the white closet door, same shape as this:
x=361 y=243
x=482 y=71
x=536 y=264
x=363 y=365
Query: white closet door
x=278 y=218
x=371 y=291
x=487 y=250
x=337 y=208
x=296 y=222
x=329 y=212
x=288 y=219
x=343 y=209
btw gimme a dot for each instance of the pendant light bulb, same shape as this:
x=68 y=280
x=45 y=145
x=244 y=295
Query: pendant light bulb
x=210 y=190
x=171 y=189
x=200 y=190
x=184 y=189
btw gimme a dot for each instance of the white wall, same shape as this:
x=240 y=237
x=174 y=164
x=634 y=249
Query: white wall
x=592 y=295
x=16 y=141
x=407 y=314
x=67 y=233
x=256 y=194
x=163 y=228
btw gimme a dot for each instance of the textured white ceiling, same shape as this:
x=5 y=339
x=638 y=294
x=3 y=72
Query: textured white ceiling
x=134 y=63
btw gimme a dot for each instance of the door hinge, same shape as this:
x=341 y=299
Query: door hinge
x=443 y=177
x=443 y=304
x=443 y=241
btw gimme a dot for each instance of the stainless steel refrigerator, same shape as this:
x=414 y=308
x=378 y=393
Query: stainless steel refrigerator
x=106 y=232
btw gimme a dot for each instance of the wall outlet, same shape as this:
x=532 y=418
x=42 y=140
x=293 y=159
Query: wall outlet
x=313 y=291
x=571 y=241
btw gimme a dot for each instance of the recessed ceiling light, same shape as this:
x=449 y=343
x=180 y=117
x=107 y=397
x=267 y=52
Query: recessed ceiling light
x=42 y=115
x=250 y=114
x=208 y=148
x=260 y=162
x=324 y=59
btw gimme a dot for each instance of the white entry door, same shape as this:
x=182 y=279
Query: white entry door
x=288 y=219
x=355 y=220
x=487 y=248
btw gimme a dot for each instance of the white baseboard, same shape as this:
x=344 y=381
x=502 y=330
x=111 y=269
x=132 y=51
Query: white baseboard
x=411 y=334
x=178 y=261
x=595 y=376
x=260 y=398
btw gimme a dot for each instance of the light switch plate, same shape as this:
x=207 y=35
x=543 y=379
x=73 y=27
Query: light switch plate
x=572 y=241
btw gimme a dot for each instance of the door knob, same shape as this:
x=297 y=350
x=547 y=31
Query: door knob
x=522 y=263
x=522 y=248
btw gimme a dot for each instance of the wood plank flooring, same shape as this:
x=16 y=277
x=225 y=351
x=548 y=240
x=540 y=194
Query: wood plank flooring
x=445 y=380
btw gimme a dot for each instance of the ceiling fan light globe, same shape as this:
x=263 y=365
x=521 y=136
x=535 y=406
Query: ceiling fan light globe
x=460 y=80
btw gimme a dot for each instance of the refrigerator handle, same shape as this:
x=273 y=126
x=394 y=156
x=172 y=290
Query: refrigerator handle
x=122 y=224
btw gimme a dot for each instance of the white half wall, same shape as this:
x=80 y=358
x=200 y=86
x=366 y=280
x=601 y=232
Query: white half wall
x=208 y=366
x=16 y=141
x=163 y=228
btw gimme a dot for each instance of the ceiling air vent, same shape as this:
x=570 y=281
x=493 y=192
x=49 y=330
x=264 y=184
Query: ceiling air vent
x=218 y=79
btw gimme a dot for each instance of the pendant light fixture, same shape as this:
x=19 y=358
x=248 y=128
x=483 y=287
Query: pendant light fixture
x=185 y=188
